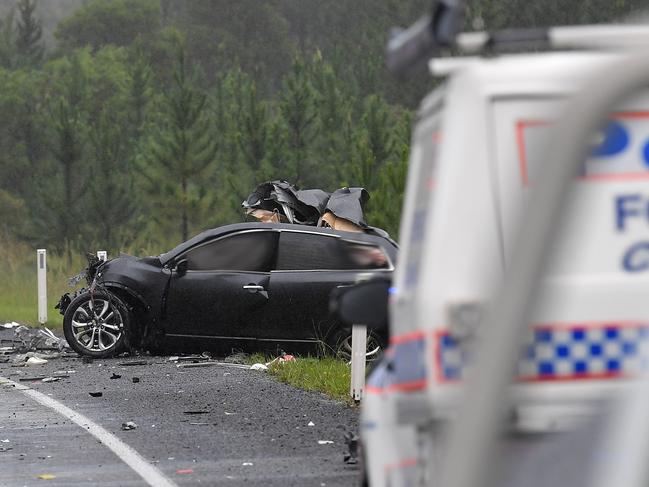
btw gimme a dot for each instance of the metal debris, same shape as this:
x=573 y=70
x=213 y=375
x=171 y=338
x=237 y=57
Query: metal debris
x=36 y=361
x=198 y=364
x=129 y=425
x=96 y=394
x=135 y=380
x=51 y=379
x=130 y=364
x=196 y=412
x=115 y=376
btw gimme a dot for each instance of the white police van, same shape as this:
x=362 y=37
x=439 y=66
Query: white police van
x=478 y=148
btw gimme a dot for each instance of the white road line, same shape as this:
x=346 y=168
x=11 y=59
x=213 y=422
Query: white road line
x=128 y=455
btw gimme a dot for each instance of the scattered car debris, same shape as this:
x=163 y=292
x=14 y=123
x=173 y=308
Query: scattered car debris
x=39 y=339
x=247 y=464
x=325 y=442
x=43 y=378
x=190 y=358
x=311 y=423
x=135 y=380
x=196 y=412
x=199 y=424
x=115 y=376
x=36 y=361
x=133 y=363
x=5 y=449
x=189 y=365
x=51 y=379
x=96 y=394
x=129 y=425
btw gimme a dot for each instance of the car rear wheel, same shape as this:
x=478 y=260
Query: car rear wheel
x=96 y=326
x=373 y=349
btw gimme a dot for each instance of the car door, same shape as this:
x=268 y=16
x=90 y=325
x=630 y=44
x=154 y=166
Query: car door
x=224 y=288
x=309 y=266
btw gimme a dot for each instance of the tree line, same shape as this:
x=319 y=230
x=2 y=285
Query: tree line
x=151 y=120
x=124 y=137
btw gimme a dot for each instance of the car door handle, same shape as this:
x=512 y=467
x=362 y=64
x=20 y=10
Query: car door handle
x=253 y=287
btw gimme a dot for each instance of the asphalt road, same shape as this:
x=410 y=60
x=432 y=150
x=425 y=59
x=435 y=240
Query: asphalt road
x=210 y=426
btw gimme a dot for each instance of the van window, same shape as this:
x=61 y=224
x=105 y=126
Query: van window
x=249 y=251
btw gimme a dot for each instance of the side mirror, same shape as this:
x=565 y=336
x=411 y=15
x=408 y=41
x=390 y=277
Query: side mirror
x=365 y=303
x=181 y=267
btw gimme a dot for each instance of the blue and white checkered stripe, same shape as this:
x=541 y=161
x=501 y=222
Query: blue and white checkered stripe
x=556 y=353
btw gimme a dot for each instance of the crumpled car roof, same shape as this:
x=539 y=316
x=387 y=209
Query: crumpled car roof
x=307 y=206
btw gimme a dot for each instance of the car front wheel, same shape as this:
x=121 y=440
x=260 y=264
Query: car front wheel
x=95 y=326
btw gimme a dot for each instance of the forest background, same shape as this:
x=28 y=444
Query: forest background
x=130 y=125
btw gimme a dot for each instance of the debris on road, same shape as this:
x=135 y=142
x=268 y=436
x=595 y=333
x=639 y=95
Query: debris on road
x=258 y=367
x=38 y=339
x=198 y=364
x=190 y=358
x=311 y=423
x=133 y=363
x=43 y=378
x=184 y=471
x=96 y=394
x=35 y=361
x=196 y=412
x=325 y=442
x=247 y=464
x=115 y=376
x=51 y=379
x=135 y=380
x=129 y=425
x=46 y=476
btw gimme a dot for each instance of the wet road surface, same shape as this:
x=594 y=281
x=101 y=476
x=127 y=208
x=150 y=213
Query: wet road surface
x=210 y=425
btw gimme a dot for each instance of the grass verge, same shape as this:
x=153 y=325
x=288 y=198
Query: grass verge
x=328 y=375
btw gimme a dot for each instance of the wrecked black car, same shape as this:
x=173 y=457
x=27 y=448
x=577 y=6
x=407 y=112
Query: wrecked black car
x=248 y=286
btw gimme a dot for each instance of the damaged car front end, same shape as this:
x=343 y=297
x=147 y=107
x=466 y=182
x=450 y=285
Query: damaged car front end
x=110 y=314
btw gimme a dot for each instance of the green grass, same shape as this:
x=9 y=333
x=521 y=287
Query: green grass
x=328 y=375
x=18 y=295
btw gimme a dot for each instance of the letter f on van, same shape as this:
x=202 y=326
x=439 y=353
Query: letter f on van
x=626 y=206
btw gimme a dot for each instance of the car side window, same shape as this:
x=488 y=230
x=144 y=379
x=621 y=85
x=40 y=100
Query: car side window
x=306 y=251
x=248 y=251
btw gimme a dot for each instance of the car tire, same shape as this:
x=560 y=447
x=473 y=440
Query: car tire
x=343 y=346
x=97 y=334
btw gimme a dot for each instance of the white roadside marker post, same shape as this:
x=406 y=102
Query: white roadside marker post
x=102 y=255
x=359 y=347
x=41 y=271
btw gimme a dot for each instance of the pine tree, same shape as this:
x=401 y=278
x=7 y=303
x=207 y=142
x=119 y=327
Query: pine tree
x=175 y=161
x=297 y=106
x=29 y=33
